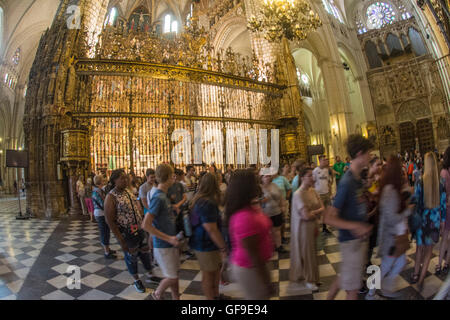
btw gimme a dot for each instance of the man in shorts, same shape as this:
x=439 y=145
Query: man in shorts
x=349 y=214
x=160 y=222
x=322 y=179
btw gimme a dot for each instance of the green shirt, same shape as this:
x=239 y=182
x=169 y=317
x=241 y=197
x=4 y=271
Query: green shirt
x=339 y=168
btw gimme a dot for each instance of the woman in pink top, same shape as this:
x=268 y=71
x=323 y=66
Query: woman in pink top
x=251 y=240
x=445 y=232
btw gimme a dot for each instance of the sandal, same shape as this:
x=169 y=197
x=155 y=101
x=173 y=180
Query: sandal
x=414 y=278
x=154 y=297
x=437 y=270
x=420 y=287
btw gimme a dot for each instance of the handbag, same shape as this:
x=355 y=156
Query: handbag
x=133 y=238
x=401 y=245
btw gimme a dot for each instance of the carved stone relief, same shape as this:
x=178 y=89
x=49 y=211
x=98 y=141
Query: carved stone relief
x=443 y=131
x=412 y=110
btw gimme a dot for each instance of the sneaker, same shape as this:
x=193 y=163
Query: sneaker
x=188 y=254
x=110 y=255
x=152 y=279
x=139 y=286
x=373 y=297
x=363 y=290
x=389 y=294
x=312 y=286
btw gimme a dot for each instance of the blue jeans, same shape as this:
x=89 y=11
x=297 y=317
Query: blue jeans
x=390 y=269
x=105 y=232
x=143 y=253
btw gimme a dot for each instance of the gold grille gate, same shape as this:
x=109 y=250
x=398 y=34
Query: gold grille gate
x=132 y=109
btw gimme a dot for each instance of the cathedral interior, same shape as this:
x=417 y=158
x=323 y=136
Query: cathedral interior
x=134 y=71
x=95 y=85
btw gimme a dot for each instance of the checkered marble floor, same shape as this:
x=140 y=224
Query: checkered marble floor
x=21 y=242
x=75 y=242
x=11 y=205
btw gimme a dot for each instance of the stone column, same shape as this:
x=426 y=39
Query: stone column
x=74 y=203
x=340 y=121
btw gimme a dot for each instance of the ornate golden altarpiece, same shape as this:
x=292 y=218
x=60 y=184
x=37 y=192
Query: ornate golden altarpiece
x=116 y=104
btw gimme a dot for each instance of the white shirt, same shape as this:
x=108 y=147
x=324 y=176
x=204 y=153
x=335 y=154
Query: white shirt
x=321 y=178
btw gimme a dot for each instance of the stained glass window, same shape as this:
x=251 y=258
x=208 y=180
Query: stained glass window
x=380 y=14
x=170 y=25
x=167 y=23
x=174 y=26
x=332 y=9
x=304 y=83
x=16 y=57
x=361 y=27
x=112 y=16
x=404 y=13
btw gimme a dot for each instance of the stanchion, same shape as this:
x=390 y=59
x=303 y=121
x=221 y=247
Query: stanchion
x=19 y=215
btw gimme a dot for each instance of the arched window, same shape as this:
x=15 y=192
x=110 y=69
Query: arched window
x=174 y=26
x=170 y=24
x=361 y=27
x=406 y=16
x=305 y=83
x=332 y=9
x=112 y=17
x=167 y=23
x=380 y=14
x=403 y=12
x=393 y=43
x=372 y=55
x=416 y=42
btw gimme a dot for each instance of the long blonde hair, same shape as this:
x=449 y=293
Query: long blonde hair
x=431 y=194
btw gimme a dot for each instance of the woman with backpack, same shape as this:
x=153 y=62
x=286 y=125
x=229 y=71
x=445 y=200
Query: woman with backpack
x=206 y=240
x=445 y=242
x=431 y=213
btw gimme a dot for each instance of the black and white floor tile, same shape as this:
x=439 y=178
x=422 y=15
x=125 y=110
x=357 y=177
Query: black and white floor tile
x=35 y=256
x=21 y=242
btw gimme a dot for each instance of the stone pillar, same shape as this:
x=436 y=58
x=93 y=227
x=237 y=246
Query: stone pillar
x=74 y=157
x=74 y=202
x=340 y=122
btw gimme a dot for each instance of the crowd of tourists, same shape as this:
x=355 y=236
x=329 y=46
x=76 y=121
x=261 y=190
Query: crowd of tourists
x=234 y=221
